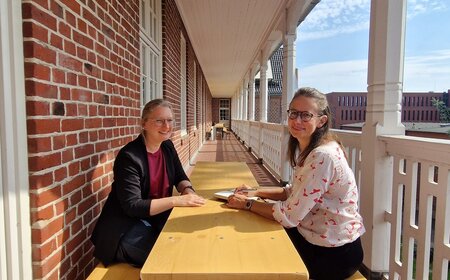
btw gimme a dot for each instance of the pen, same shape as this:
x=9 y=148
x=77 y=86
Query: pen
x=246 y=190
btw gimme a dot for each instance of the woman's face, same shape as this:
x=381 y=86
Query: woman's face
x=299 y=127
x=159 y=125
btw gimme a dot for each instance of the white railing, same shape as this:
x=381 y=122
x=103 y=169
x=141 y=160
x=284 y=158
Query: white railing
x=420 y=213
x=420 y=204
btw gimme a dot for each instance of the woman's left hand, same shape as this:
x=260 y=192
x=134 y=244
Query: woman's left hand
x=188 y=200
x=237 y=201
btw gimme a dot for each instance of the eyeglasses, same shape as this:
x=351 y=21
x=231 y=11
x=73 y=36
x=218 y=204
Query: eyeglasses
x=305 y=116
x=161 y=122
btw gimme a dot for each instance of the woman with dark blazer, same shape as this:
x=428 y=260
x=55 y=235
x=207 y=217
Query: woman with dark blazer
x=140 y=201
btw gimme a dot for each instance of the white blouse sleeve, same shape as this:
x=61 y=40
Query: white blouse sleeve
x=309 y=184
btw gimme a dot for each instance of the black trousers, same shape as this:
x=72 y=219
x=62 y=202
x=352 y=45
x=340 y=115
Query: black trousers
x=136 y=244
x=328 y=263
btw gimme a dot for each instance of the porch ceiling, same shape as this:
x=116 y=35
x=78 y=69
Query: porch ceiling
x=227 y=35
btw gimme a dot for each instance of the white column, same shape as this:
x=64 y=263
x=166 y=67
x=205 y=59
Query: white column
x=385 y=78
x=245 y=96
x=289 y=76
x=239 y=98
x=263 y=98
x=15 y=230
x=251 y=98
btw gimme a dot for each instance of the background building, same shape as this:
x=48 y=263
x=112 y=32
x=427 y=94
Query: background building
x=350 y=107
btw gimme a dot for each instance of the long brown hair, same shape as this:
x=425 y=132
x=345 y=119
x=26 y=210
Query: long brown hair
x=320 y=136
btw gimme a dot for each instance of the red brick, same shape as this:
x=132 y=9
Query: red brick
x=42 y=126
x=72 y=124
x=65 y=30
x=41 y=253
x=35 y=50
x=40 y=181
x=84 y=150
x=57 y=9
x=73 y=5
x=30 y=11
x=58 y=76
x=56 y=41
x=69 y=62
x=42 y=214
x=81 y=95
x=37 y=108
x=33 y=30
x=41 y=162
x=73 y=184
x=60 y=208
x=35 y=88
x=70 y=215
x=67 y=155
x=45 y=197
x=60 y=174
x=39 y=144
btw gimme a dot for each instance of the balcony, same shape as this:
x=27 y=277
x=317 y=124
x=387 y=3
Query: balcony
x=75 y=75
x=410 y=209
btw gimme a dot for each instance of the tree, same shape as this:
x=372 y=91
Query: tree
x=444 y=111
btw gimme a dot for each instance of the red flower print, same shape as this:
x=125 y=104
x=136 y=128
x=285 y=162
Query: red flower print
x=314 y=191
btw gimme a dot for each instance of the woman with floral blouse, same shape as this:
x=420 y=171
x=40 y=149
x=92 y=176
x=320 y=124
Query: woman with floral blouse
x=319 y=209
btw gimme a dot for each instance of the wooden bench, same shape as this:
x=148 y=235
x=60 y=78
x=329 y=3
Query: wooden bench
x=119 y=271
x=356 y=276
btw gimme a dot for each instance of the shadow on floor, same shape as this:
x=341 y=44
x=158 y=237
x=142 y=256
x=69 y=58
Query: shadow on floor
x=231 y=149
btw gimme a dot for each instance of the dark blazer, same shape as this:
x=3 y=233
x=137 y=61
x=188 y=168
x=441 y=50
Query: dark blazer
x=128 y=200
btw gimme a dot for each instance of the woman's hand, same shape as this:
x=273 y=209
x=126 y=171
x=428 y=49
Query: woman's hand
x=190 y=199
x=237 y=201
x=246 y=190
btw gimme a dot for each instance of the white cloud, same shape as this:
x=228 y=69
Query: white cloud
x=430 y=72
x=333 y=17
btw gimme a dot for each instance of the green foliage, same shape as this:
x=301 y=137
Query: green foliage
x=444 y=111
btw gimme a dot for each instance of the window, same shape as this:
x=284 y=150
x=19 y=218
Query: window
x=224 y=110
x=151 y=50
x=183 y=84
x=195 y=95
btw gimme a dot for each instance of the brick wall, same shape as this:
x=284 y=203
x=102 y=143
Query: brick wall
x=172 y=26
x=82 y=88
x=82 y=73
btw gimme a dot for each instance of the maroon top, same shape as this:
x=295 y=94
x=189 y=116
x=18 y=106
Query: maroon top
x=159 y=182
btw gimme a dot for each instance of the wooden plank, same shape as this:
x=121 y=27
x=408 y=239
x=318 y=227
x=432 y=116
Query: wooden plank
x=120 y=271
x=216 y=242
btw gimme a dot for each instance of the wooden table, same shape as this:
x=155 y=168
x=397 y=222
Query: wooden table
x=216 y=242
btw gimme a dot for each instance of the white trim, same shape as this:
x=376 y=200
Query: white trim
x=15 y=230
x=183 y=81
x=151 y=50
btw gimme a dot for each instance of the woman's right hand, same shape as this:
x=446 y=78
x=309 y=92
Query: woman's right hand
x=246 y=190
x=190 y=199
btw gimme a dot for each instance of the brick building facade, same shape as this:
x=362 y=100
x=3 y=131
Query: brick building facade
x=350 y=107
x=83 y=103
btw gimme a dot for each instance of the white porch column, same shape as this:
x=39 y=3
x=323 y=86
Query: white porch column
x=239 y=94
x=251 y=97
x=385 y=78
x=263 y=98
x=15 y=229
x=289 y=76
x=245 y=95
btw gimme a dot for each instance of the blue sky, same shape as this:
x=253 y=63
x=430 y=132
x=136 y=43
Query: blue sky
x=332 y=46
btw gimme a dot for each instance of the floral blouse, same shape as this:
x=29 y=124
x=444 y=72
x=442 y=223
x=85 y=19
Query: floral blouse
x=323 y=199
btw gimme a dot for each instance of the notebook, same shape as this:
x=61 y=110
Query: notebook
x=223 y=195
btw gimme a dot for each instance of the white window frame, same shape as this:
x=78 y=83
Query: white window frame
x=195 y=95
x=150 y=32
x=183 y=80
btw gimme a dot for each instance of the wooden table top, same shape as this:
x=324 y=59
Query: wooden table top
x=216 y=242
